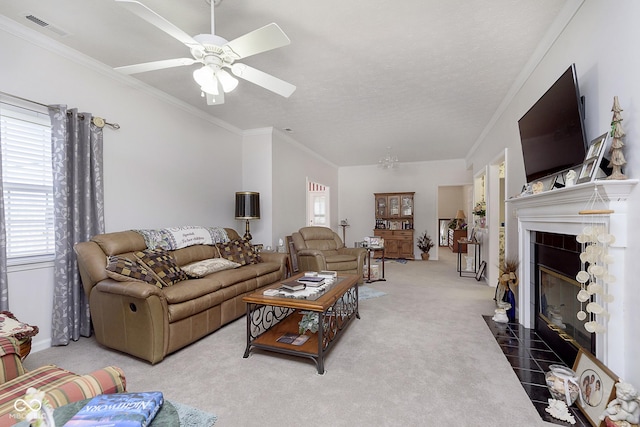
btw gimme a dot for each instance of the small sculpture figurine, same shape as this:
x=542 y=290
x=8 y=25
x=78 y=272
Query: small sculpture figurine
x=625 y=407
x=571 y=178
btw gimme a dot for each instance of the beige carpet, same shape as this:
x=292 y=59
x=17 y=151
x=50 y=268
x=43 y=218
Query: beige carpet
x=421 y=355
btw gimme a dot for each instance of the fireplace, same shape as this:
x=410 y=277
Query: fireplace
x=557 y=260
x=552 y=214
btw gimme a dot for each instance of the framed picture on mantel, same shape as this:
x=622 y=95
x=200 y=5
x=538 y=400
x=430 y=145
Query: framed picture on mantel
x=592 y=159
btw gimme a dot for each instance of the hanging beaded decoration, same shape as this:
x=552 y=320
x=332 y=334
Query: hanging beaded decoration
x=594 y=276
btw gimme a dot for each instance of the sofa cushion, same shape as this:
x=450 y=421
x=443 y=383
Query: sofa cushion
x=208 y=266
x=240 y=251
x=9 y=360
x=124 y=270
x=162 y=264
x=60 y=386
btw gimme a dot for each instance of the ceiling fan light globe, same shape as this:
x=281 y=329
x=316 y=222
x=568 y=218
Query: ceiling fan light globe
x=205 y=77
x=211 y=89
x=227 y=81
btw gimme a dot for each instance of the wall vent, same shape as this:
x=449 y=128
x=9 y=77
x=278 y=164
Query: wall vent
x=44 y=24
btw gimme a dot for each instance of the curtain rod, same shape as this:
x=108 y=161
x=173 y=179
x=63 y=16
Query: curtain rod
x=98 y=121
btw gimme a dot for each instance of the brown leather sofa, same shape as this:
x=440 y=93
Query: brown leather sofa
x=149 y=322
x=320 y=248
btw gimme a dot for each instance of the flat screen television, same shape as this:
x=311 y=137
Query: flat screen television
x=552 y=131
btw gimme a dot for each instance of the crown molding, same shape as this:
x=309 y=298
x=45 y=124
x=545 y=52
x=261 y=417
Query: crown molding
x=14 y=28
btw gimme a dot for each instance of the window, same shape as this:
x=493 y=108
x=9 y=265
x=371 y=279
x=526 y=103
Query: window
x=27 y=180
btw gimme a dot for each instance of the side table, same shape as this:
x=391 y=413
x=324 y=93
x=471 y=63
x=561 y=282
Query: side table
x=369 y=250
x=466 y=272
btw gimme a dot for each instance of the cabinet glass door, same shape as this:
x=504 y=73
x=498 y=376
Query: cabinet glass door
x=407 y=205
x=394 y=205
x=381 y=206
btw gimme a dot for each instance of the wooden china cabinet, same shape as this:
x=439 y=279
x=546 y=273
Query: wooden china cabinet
x=394 y=223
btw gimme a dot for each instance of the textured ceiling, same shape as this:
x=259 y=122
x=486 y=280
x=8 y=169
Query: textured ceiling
x=423 y=77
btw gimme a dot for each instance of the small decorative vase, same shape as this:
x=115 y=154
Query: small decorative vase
x=425 y=256
x=510 y=298
x=483 y=221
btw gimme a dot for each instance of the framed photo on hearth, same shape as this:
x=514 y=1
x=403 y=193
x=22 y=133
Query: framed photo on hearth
x=596 y=384
x=592 y=159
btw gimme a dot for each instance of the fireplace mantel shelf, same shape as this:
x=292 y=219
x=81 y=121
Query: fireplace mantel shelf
x=609 y=190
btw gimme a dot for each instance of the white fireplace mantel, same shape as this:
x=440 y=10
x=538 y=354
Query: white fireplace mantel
x=556 y=211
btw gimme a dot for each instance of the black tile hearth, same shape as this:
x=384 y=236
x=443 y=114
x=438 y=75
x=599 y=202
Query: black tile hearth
x=530 y=357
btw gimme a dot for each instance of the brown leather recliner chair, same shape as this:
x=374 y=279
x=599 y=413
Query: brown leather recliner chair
x=320 y=248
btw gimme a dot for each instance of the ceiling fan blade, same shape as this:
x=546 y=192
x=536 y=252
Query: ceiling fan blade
x=156 y=65
x=153 y=18
x=257 y=41
x=215 y=99
x=263 y=79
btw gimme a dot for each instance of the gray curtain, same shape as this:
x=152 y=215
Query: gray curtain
x=78 y=213
x=4 y=282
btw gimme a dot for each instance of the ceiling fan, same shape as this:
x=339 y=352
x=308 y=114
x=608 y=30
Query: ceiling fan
x=215 y=54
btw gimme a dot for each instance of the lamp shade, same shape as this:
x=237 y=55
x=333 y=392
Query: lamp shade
x=247 y=205
x=460 y=214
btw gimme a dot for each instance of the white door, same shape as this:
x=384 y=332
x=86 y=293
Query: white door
x=317 y=204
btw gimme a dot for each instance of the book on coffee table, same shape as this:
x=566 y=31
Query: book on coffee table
x=294 y=339
x=293 y=286
x=312 y=280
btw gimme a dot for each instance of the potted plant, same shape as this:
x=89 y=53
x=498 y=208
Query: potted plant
x=425 y=244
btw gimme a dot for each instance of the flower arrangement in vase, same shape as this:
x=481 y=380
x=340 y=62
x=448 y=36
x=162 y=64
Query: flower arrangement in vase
x=425 y=244
x=480 y=209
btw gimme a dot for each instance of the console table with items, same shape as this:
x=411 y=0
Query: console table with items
x=376 y=250
x=463 y=268
x=394 y=223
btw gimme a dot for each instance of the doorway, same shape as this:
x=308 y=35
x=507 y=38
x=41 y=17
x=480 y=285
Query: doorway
x=317 y=204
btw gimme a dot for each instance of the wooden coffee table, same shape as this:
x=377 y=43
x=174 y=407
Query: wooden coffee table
x=270 y=317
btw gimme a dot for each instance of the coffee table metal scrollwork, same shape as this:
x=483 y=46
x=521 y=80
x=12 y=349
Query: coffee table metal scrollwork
x=270 y=317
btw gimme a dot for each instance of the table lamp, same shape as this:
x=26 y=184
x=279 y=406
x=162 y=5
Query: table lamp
x=247 y=207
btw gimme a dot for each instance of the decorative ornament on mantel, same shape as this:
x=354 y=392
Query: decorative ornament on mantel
x=594 y=277
x=617 y=157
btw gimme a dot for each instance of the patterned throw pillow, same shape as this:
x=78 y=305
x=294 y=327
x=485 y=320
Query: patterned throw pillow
x=208 y=266
x=240 y=251
x=162 y=265
x=125 y=270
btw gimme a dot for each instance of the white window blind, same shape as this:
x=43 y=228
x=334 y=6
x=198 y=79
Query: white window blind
x=27 y=181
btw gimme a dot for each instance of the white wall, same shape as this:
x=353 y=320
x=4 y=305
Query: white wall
x=359 y=183
x=257 y=170
x=450 y=199
x=292 y=165
x=168 y=164
x=600 y=40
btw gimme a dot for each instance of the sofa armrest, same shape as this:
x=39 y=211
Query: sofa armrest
x=278 y=257
x=10 y=363
x=132 y=317
x=130 y=289
x=361 y=253
x=311 y=260
x=310 y=252
x=107 y=380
